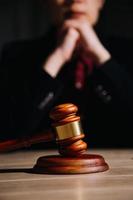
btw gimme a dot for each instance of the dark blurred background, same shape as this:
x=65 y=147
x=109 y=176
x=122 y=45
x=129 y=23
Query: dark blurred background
x=24 y=19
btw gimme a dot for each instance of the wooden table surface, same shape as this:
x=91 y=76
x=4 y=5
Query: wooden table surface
x=16 y=183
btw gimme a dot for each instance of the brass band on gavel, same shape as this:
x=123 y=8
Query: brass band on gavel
x=68 y=130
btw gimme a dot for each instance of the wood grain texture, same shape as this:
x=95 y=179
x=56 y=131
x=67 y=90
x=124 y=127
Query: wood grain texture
x=16 y=183
x=24 y=142
x=56 y=164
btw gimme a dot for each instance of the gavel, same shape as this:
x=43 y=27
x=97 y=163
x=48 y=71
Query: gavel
x=72 y=158
x=66 y=130
x=68 y=133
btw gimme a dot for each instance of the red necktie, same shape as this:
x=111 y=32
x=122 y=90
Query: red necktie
x=83 y=69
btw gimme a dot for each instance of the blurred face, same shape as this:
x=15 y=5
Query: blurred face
x=61 y=9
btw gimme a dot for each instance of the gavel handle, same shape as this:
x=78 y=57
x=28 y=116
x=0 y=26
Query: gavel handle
x=14 y=144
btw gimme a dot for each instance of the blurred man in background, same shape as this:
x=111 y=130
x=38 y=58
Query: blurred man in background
x=71 y=63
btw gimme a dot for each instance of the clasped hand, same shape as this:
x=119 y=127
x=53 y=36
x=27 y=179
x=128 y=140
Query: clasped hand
x=76 y=31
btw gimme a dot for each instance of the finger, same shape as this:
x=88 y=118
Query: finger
x=70 y=39
x=71 y=23
x=69 y=43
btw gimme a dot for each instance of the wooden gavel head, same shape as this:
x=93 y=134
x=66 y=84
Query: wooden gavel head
x=68 y=130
